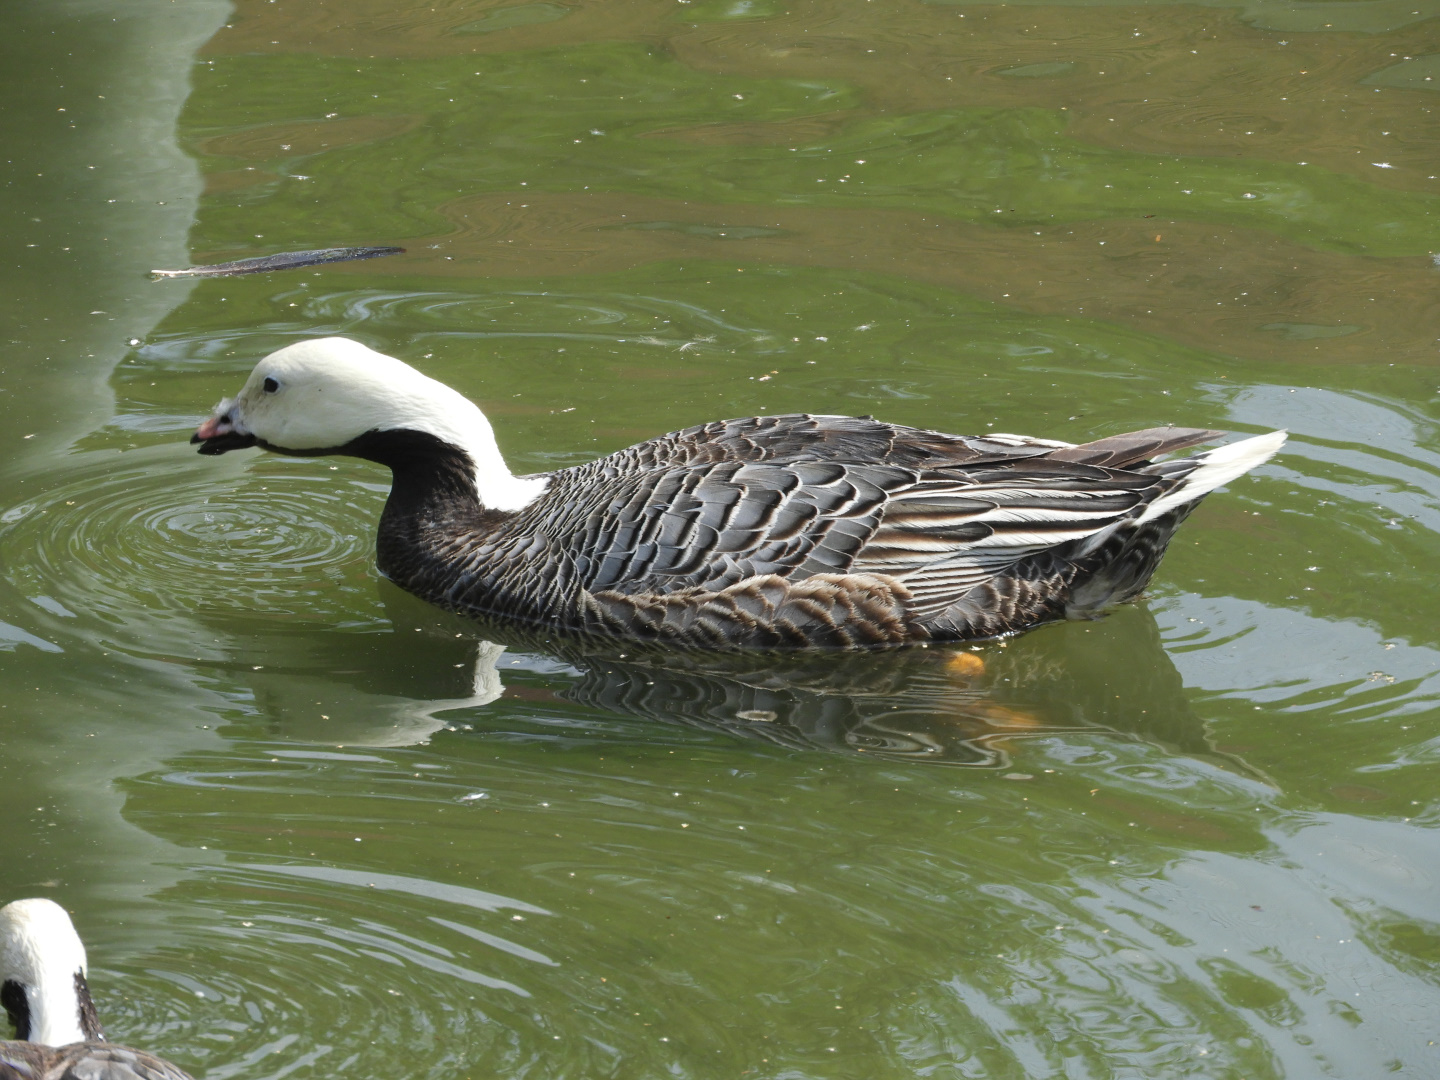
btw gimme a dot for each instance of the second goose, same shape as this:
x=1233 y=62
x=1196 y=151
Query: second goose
x=47 y=1000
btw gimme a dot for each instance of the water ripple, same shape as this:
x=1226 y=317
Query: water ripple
x=349 y=982
x=143 y=539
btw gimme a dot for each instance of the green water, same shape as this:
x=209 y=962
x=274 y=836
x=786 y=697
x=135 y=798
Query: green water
x=311 y=827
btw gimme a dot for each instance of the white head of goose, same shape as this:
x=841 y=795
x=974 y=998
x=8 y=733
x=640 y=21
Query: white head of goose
x=45 y=996
x=781 y=531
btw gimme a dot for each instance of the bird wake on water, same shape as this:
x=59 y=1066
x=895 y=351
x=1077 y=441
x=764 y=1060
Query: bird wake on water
x=774 y=531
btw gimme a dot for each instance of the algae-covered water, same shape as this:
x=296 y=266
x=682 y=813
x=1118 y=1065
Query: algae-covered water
x=312 y=827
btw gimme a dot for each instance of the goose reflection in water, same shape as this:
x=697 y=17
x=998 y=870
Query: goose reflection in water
x=957 y=705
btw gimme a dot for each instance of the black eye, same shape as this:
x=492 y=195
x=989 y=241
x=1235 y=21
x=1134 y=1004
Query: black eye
x=270 y=385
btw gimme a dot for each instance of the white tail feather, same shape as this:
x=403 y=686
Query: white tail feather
x=1221 y=465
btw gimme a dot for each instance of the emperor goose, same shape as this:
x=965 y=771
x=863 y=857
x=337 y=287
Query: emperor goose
x=43 y=991
x=766 y=531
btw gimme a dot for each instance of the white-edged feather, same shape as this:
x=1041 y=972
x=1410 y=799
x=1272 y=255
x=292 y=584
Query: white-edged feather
x=1221 y=465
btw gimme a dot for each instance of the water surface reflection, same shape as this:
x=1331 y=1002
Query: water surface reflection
x=961 y=706
x=314 y=828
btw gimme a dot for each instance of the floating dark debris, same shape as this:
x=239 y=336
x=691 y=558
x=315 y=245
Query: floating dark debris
x=286 y=260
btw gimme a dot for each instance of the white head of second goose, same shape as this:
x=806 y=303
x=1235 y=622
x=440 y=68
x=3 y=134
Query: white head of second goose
x=46 y=998
x=42 y=975
x=771 y=531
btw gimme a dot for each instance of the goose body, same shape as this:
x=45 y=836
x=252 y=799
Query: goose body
x=45 y=997
x=779 y=531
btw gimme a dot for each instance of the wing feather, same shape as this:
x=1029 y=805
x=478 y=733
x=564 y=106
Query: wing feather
x=82 y=1061
x=1136 y=447
x=943 y=539
x=940 y=528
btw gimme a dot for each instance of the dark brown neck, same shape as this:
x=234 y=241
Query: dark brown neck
x=432 y=509
x=89 y=1019
x=17 y=1007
